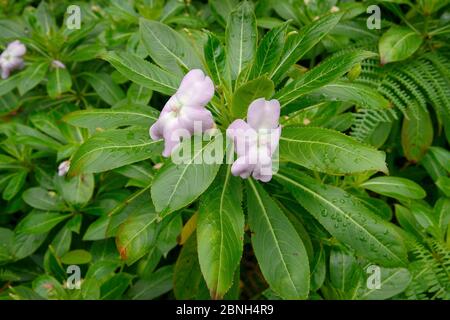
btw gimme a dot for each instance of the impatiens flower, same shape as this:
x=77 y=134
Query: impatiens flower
x=11 y=58
x=58 y=64
x=256 y=140
x=185 y=112
x=63 y=168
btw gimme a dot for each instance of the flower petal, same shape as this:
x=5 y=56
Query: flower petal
x=263 y=114
x=195 y=119
x=263 y=170
x=63 y=168
x=16 y=48
x=244 y=137
x=5 y=73
x=195 y=89
x=269 y=138
x=242 y=167
x=157 y=129
x=173 y=132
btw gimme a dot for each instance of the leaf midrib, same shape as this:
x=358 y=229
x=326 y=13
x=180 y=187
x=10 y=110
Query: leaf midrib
x=328 y=144
x=222 y=196
x=167 y=49
x=273 y=233
x=127 y=66
x=46 y=222
x=117 y=147
x=89 y=112
x=341 y=211
x=184 y=171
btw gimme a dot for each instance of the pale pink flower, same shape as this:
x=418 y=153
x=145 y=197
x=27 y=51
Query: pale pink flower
x=11 y=59
x=256 y=140
x=63 y=168
x=58 y=64
x=185 y=111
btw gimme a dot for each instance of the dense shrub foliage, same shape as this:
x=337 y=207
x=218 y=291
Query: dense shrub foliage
x=356 y=204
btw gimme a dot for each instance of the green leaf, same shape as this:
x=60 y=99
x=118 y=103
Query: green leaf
x=86 y=52
x=102 y=270
x=222 y=9
x=241 y=35
x=215 y=57
x=26 y=244
x=395 y=187
x=347 y=219
x=159 y=283
x=378 y=206
x=105 y=87
x=40 y=198
x=262 y=87
x=32 y=76
x=442 y=212
x=90 y=289
x=393 y=282
x=280 y=251
x=326 y=72
x=10 y=29
x=6 y=242
x=269 y=51
x=345 y=273
x=220 y=230
x=424 y=216
x=318 y=269
x=7 y=85
x=168 y=48
x=24 y=293
x=15 y=183
x=139 y=94
x=61 y=242
x=398 y=43
x=188 y=282
x=8 y=103
x=177 y=185
x=76 y=257
x=136 y=114
x=357 y=93
x=417 y=133
x=59 y=81
x=297 y=45
x=45 y=20
x=49 y=288
x=329 y=151
x=76 y=190
x=136 y=236
x=443 y=183
x=115 y=287
x=442 y=156
x=168 y=235
x=40 y=222
x=143 y=72
x=407 y=221
x=112 y=149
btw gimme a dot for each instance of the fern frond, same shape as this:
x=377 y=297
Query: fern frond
x=8 y=275
x=430 y=272
x=366 y=121
x=411 y=84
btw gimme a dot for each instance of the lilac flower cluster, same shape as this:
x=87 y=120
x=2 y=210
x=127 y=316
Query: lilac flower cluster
x=12 y=58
